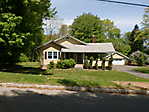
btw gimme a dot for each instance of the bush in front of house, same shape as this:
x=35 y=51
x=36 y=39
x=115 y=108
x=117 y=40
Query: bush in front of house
x=110 y=63
x=51 y=65
x=86 y=63
x=103 y=66
x=67 y=63
x=96 y=64
x=23 y=58
x=91 y=62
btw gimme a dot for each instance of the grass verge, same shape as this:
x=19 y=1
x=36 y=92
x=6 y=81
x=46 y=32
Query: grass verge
x=30 y=73
x=142 y=70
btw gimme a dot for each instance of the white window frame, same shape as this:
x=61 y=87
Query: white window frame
x=48 y=55
x=53 y=55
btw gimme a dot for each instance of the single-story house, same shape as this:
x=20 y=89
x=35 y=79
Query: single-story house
x=69 y=47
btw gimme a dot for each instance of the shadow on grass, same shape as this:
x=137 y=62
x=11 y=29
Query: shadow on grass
x=29 y=101
x=22 y=70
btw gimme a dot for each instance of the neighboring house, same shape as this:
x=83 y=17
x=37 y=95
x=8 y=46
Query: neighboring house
x=69 y=47
x=118 y=58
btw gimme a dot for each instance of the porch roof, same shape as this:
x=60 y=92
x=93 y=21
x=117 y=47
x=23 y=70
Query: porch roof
x=90 y=48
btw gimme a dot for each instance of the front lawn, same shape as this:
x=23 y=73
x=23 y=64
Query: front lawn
x=143 y=70
x=30 y=73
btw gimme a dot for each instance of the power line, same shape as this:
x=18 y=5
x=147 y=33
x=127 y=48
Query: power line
x=126 y=3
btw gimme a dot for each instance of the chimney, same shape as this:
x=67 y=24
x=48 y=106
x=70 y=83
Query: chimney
x=93 y=39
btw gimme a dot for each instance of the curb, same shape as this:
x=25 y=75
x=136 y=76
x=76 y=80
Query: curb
x=75 y=88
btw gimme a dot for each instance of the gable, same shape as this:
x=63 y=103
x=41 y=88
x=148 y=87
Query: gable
x=69 y=40
x=52 y=46
x=117 y=56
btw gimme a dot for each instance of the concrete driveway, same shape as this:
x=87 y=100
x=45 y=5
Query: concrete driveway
x=14 y=100
x=129 y=69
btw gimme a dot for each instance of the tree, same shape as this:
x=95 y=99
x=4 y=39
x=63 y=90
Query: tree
x=52 y=26
x=138 y=57
x=110 y=31
x=64 y=30
x=120 y=45
x=32 y=12
x=11 y=41
x=133 y=42
x=85 y=26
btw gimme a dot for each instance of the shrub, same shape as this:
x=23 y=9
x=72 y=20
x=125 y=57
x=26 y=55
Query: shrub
x=103 y=63
x=86 y=63
x=23 y=58
x=51 y=65
x=110 y=63
x=138 y=57
x=67 y=63
x=96 y=64
x=91 y=62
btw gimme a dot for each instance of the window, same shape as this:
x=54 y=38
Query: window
x=52 y=55
x=55 y=55
x=49 y=55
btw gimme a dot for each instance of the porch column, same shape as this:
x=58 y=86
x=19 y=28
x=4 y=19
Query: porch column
x=83 y=57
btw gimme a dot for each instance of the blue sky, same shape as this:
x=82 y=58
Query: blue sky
x=124 y=17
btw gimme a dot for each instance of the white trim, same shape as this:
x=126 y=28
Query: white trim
x=52 y=55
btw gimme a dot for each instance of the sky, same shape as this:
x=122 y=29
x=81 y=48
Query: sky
x=124 y=16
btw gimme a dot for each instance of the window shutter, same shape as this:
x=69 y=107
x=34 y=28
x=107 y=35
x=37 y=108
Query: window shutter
x=45 y=55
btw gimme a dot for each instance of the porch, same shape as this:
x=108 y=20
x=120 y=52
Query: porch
x=79 y=57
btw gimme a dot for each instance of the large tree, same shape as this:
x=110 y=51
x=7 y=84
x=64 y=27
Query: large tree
x=109 y=30
x=135 y=44
x=87 y=26
x=32 y=13
x=11 y=40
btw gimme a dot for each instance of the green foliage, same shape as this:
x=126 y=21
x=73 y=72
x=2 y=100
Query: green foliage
x=23 y=58
x=11 y=40
x=30 y=15
x=91 y=62
x=109 y=30
x=64 y=77
x=51 y=65
x=96 y=64
x=120 y=45
x=103 y=63
x=67 y=63
x=86 y=63
x=143 y=70
x=110 y=63
x=86 y=26
x=145 y=21
x=138 y=58
x=135 y=44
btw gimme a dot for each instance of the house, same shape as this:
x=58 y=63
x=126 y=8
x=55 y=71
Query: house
x=69 y=47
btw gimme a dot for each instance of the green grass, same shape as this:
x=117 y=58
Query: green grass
x=143 y=70
x=30 y=73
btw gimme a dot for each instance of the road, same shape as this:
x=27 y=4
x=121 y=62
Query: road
x=17 y=100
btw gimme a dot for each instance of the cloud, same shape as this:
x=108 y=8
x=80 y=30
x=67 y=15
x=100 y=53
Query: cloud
x=68 y=21
x=126 y=24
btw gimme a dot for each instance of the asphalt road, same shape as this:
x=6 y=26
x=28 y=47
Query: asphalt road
x=28 y=101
